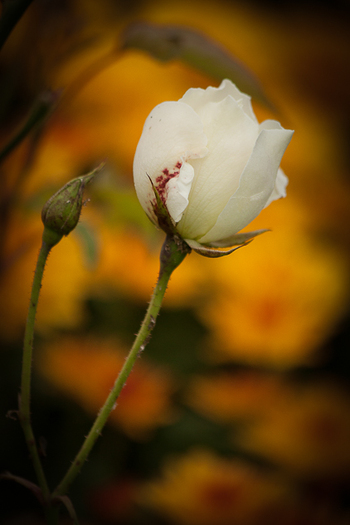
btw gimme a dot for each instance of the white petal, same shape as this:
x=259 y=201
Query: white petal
x=231 y=139
x=197 y=98
x=256 y=185
x=172 y=133
x=178 y=191
x=281 y=181
x=280 y=189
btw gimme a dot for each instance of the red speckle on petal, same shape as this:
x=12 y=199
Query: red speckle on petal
x=162 y=180
x=161 y=185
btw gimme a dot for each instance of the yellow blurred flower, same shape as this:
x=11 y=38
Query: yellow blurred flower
x=86 y=368
x=305 y=430
x=129 y=265
x=201 y=488
x=276 y=300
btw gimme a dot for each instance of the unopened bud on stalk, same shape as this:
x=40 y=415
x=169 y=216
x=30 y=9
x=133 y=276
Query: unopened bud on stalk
x=61 y=212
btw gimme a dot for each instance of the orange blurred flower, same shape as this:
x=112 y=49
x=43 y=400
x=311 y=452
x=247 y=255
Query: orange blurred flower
x=305 y=430
x=201 y=488
x=114 y=501
x=86 y=369
x=275 y=301
x=225 y=396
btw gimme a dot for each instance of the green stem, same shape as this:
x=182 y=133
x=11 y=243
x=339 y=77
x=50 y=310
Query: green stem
x=173 y=252
x=24 y=400
x=52 y=514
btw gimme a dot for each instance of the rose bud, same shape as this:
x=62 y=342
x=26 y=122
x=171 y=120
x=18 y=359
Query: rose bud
x=61 y=213
x=211 y=166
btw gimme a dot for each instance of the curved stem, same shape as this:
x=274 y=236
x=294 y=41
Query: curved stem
x=24 y=399
x=40 y=110
x=173 y=252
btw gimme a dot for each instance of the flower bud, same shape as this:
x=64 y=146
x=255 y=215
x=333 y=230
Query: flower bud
x=211 y=165
x=61 y=212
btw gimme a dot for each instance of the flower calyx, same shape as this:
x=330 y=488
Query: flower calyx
x=213 y=250
x=219 y=249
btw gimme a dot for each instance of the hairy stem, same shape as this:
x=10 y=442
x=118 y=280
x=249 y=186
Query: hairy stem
x=24 y=400
x=173 y=252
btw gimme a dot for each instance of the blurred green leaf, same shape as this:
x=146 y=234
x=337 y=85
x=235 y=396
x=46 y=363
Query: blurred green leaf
x=169 y=42
x=120 y=206
x=89 y=243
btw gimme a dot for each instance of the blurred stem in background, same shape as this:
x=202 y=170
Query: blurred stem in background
x=12 y=11
x=32 y=126
x=41 y=109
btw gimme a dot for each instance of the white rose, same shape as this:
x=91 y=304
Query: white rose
x=213 y=165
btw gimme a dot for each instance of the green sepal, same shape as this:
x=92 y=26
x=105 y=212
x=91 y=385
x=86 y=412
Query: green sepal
x=236 y=239
x=207 y=251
